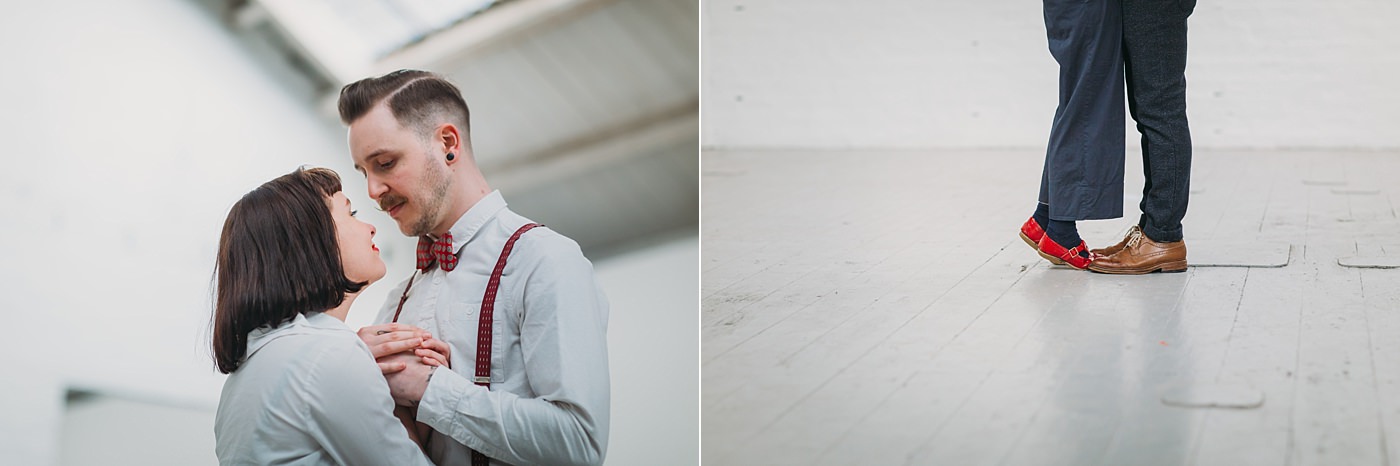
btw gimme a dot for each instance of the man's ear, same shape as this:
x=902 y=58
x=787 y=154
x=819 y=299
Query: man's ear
x=449 y=138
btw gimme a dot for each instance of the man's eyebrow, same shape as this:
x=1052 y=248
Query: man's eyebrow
x=377 y=153
x=371 y=157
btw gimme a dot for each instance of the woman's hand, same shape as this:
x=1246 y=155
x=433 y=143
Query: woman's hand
x=390 y=339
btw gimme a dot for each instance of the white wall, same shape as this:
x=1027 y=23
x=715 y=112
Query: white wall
x=129 y=129
x=909 y=74
x=654 y=351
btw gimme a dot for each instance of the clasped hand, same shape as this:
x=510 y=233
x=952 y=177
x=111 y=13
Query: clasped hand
x=406 y=355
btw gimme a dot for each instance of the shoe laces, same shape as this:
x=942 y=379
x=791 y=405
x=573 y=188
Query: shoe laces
x=1134 y=237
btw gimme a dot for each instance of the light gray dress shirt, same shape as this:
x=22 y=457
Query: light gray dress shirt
x=309 y=393
x=548 y=402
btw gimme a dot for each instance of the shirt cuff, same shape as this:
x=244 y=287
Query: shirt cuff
x=446 y=392
x=440 y=399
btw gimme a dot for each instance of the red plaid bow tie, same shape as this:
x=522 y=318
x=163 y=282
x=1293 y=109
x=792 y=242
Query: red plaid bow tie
x=440 y=252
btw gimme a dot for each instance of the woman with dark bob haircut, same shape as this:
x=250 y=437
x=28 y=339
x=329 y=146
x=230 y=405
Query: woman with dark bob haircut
x=302 y=387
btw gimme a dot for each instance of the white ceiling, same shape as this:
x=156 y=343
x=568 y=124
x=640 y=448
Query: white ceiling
x=584 y=112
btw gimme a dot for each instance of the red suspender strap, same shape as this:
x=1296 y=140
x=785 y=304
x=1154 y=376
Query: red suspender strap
x=488 y=306
x=483 y=329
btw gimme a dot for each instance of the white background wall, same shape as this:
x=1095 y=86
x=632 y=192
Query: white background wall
x=911 y=74
x=128 y=130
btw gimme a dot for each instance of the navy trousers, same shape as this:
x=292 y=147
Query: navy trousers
x=1083 y=174
x=1100 y=45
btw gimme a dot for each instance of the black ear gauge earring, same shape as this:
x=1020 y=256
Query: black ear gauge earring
x=450 y=156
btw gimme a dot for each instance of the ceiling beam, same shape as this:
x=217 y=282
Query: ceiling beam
x=608 y=146
x=501 y=23
x=304 y=28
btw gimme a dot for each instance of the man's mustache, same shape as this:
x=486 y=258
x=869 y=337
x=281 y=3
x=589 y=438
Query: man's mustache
x=389 y=201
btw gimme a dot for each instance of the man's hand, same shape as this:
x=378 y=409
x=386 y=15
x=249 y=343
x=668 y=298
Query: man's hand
x=434 y=352
x=407 y=385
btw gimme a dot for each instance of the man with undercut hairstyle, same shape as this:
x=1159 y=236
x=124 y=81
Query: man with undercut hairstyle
x=518 y=305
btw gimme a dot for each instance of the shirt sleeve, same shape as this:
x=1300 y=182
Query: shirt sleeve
x=564 y=341
x=352 y=413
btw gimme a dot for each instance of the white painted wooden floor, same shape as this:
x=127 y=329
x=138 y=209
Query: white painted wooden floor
x=878 y=308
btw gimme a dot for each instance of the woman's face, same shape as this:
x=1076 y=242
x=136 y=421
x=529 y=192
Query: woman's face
x=358 y=254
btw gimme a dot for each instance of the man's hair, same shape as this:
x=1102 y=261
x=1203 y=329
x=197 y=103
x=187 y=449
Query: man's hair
x=419 y=100
x=278 y=257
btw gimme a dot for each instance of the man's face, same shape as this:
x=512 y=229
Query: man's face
x=401 y=169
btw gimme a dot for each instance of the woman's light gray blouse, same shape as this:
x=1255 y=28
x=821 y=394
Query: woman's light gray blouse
x=310 y=393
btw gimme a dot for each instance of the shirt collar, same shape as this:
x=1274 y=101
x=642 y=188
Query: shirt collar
x=471 y=221
x=300 y=325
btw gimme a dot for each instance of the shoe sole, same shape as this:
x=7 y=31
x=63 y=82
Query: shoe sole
x=1169 y=267
x=1036 y=247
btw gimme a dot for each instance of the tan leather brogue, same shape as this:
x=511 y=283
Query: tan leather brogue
x=1109 y=251
x=1140 y=255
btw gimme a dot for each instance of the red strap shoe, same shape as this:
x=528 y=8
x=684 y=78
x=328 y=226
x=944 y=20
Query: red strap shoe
x=1051 y=250
x=1031 y=233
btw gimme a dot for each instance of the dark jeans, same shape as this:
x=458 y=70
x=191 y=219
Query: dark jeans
x=1154 y=60
x=1083 y=174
